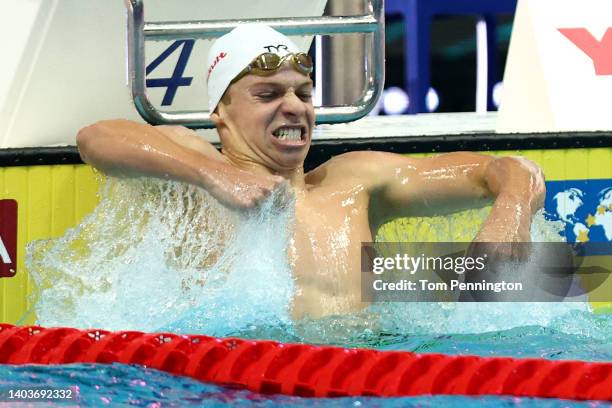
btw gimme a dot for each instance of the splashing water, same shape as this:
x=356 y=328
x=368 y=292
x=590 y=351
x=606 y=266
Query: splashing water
x=157 y=255
x=165 y=256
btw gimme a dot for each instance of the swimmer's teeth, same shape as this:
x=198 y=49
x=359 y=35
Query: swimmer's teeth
x=289 y=134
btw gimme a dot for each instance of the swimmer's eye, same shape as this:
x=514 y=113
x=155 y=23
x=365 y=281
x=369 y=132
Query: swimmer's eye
x=271 y=95
x=267 y=96
x=306 y=96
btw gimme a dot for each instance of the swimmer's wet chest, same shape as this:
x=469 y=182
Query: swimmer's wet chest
x=325 y=212
x=330 y=225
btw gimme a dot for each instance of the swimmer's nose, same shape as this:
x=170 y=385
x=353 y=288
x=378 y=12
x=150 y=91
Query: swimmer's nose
x=293 y=105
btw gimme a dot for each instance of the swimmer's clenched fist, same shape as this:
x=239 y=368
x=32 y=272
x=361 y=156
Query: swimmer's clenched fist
x=237 y=188
x=519 y=188
x=260 y=97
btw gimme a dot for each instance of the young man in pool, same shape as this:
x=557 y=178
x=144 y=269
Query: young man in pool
x=261 y=94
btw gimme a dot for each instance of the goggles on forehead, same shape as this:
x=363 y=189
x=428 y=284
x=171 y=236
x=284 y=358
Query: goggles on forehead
x=268 y=62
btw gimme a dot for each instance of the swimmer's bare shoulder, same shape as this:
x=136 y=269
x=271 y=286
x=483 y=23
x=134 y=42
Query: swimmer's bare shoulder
x=362 y=167
x=125 y=148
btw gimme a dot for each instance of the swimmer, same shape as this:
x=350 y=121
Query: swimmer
x=260 y=93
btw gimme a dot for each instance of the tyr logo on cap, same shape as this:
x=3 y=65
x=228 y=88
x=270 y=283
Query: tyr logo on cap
x=215 y=62
x=276 y=48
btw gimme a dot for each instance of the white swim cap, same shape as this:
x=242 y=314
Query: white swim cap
x=231 y=53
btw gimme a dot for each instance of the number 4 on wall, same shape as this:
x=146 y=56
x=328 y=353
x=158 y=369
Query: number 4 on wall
x=172 y=84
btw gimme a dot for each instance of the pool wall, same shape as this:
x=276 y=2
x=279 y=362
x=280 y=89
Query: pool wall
x=52 y=197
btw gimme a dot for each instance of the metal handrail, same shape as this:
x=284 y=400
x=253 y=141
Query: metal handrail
x=139 y=31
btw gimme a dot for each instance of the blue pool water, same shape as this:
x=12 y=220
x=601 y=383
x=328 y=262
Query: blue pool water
x=151 y=268
x=120 y=385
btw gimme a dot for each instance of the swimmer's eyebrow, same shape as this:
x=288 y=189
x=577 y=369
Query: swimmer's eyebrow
x=271 y=82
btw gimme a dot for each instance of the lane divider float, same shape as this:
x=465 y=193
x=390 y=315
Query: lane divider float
x=308 y=370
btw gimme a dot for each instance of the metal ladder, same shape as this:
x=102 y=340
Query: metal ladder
x=139 y=31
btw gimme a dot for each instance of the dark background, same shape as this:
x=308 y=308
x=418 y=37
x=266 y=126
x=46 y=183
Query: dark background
x=453 y=58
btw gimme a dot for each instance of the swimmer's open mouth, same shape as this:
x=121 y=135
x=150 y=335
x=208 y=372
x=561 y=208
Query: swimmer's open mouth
x=290 y=135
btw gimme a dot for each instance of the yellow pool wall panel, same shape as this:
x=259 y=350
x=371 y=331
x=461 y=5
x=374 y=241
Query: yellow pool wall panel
x=50 y=199
x=53 y=198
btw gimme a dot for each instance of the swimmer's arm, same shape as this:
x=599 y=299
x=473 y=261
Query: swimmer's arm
x=191 y=140
x=126 y=148
x=404 y=186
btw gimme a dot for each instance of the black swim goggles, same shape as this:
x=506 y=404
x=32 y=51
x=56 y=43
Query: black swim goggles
x=268 y=62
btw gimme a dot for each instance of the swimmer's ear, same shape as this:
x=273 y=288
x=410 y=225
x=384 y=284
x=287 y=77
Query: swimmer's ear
x=219 y=113
x=216 y=118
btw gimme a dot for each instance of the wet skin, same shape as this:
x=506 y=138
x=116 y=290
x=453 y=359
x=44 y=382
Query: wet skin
x=265 y=126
